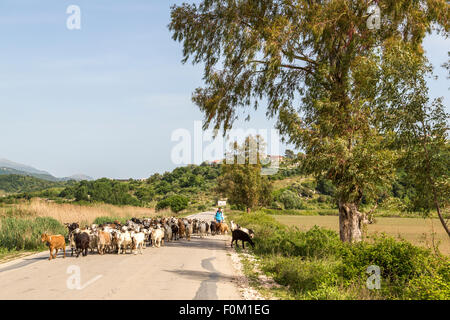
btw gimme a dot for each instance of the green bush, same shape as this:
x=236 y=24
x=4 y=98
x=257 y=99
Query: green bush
x=290 y=200
x=428 y=287
x=406 y=270
x=303 y=189
x=176 y=203
x=311 y=279
x=398 y=260
x=326 y=187
x=162 y=204
x=25 y=234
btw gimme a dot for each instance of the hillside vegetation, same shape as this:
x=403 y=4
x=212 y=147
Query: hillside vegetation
x=13 y=183
x=198 y=187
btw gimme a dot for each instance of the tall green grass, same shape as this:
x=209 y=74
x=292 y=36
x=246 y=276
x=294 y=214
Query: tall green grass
x=25 y=234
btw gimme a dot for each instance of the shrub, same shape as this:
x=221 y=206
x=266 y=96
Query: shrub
x=406 y=270
x=326 y=187
x=310 y=279
x=398 y=260
x=176 y=203
x=303 y=190
x=290 y=200
x=428 y=287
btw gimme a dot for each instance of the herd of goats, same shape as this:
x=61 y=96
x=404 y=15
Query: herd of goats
x=136 y=234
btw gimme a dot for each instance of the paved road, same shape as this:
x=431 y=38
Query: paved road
x=196 y=269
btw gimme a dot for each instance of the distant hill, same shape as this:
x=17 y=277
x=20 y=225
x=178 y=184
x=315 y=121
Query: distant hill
x=21 y=167
x=8 y=167
x=11 y=171
x=13 y=183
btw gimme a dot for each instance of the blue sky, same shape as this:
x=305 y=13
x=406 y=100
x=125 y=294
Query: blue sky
x=104 y=100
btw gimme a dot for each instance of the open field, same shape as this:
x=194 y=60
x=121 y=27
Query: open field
x=67 y=212
x=416 y=230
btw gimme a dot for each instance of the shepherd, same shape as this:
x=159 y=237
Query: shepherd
x=219 y=215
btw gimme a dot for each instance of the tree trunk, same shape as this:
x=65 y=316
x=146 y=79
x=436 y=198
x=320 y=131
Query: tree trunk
x=350 y=220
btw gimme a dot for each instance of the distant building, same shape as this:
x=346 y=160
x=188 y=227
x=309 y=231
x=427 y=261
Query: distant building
x=274 y=158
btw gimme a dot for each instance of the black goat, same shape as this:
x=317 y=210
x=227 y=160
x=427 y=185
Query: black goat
x=82 y=243
x=72 y=226
x=213 y=227
x=243 y=236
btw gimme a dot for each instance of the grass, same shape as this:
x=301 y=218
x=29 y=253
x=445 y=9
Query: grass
x=418 y=231
x=25 y=233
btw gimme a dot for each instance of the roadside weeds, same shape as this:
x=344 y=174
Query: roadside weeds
x=252 y=283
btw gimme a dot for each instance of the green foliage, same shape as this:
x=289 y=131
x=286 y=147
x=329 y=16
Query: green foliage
x=290 y=200
x=433 y=286
x=102 y=190
x=304 y=189
x=176 y=203
x=187 y=181
x=19 y=183
x=325 y=186
x=284 y=173
x=241 y=182
x=25 y=234
x=310 y=279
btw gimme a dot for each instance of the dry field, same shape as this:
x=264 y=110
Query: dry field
x=76 y=213
x=416 y=230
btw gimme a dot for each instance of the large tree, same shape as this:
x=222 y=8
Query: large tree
x=319 y=66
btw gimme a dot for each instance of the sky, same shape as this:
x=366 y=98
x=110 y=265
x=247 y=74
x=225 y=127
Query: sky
x=105 y=100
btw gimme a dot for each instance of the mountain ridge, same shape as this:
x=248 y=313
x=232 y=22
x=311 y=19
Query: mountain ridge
x=10 y=167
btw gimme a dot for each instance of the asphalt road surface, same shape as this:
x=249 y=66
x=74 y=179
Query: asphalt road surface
x=196 y=269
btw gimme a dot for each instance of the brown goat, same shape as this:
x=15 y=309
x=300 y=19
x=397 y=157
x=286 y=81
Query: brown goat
x=104 y=242
x=182 y=228
x=222 y=228
x=54 y=242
